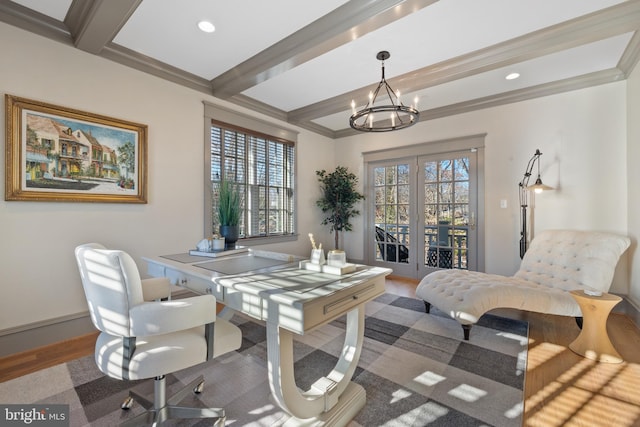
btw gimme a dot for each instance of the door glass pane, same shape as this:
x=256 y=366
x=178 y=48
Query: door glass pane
x=403 y=174
x=446 y=213
x=462 y=192
x=392 y=213
x=431 y=193
x=403 y=194
x=461 y=169
x=391 y=196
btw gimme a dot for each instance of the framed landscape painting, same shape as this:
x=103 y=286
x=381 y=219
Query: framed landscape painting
x=63 y=155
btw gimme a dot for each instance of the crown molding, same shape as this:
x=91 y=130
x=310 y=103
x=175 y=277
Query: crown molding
x=146 y=64
x=34 y=22
x=574 y=83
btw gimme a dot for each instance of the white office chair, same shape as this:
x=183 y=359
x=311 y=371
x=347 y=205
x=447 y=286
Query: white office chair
x=141 y=339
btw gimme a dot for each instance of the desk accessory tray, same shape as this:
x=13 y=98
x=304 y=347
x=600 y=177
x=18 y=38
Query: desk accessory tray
x=216 y=254
x=329 y=269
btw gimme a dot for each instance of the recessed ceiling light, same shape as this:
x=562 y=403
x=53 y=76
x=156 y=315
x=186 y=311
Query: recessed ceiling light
x=512 y=76
x=206 y=26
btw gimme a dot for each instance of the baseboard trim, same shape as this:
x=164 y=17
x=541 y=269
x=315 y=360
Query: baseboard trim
x=628 y=308
x=39 y=334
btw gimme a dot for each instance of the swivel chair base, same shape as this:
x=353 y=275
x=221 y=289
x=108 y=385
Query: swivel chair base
x=162 y=409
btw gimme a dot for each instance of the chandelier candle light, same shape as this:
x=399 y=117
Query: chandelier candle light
x=399 y=115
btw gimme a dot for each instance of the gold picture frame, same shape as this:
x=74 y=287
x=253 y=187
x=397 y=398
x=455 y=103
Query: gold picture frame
x=58 y=154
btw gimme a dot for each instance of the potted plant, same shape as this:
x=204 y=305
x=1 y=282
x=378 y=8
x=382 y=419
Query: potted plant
x=339 y=197
x=229 y=211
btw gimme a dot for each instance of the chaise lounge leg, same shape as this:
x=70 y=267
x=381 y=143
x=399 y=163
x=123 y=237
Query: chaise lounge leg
x=466 y=329
x=579 y=322
x=427 y=307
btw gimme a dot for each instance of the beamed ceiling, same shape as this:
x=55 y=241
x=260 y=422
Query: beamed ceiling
x=304 y=61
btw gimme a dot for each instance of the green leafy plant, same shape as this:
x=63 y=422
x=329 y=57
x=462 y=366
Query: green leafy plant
x=229 y=201
x=339 y=197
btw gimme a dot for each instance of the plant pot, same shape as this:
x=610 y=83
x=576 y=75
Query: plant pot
x=230 y=234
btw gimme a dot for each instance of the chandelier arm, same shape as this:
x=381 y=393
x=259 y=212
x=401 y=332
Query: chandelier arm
x=372 y=101
x=390 y=93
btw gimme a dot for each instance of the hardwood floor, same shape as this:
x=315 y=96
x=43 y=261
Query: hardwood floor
x=19 y=364
x=561 y=388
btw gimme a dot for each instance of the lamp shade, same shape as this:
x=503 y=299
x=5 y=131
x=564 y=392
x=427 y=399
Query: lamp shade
x=539 y=187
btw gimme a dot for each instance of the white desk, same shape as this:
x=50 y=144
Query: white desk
x=290 y=301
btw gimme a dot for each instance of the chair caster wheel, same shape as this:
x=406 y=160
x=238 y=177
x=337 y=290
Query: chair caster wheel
x=127 y=404
x=198 y=389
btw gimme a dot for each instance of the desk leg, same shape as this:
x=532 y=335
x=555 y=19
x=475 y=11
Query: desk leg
x=332 y=400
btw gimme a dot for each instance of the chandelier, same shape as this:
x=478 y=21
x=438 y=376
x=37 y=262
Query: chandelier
x=380 y=117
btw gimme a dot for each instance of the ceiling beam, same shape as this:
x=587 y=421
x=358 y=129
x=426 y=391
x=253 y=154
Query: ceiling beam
x=631 y=55
x=35 y=22
x=348 y=22
x=94 y=23
x=616 y=20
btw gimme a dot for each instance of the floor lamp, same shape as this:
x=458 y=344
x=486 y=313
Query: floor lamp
x=524 y=189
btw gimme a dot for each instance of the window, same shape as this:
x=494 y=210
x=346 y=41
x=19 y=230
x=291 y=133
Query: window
x=263 y=167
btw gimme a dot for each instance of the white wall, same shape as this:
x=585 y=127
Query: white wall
x=582 y=136
x=40 y=280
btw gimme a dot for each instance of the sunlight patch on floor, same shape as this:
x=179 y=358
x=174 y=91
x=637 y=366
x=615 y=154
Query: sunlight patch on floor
x=523 y=341
x=559 y=410
x=400 y=394
x=421 y=416
x=467 y=393
x=429 y=378
x=615 y=412
x=515 y=411
x=588 y=394
x=542 y=353
x=263 y=410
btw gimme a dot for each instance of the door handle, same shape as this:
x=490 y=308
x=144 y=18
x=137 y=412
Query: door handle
x=472 y=221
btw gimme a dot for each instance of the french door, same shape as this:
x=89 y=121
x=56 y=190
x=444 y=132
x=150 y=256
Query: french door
x=393 y=192
x=448 y=214
x=423 y=214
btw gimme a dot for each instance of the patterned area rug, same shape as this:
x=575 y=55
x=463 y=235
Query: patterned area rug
x=415 y=368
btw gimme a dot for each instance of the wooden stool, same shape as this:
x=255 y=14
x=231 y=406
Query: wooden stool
x=593 y=341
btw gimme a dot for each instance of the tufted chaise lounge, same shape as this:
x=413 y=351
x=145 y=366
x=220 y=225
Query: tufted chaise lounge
x=558 y=261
